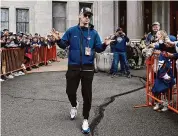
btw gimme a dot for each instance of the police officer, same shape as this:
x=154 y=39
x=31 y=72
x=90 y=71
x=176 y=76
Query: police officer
x=83 y=41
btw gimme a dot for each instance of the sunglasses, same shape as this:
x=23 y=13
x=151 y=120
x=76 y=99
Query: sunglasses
x=87 y=15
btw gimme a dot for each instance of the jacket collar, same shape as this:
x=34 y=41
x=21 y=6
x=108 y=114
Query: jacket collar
x=86 y=28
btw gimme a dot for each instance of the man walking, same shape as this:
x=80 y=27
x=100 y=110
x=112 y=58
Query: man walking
x=83 y=41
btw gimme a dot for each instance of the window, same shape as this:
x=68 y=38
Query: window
x=4 y=18
x=89 y=5
x=59 y=16
x=22 y=20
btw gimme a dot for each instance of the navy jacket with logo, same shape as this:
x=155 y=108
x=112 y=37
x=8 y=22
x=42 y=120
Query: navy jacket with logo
x=119 y=44
x=162 y=85
x=78 y=39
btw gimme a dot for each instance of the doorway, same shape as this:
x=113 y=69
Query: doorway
x=147 y=18
x=173 y=17
x=123 y=15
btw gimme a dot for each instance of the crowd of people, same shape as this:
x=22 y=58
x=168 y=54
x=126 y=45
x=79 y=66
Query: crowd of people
x=83 y=41
x=120 y=50
x=28 y=43
x=165 y=47
x=158 y=43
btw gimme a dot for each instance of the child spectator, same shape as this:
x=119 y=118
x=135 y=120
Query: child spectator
x=164 y=81
x=163 y=76
x=35 y=42
x=162 y=38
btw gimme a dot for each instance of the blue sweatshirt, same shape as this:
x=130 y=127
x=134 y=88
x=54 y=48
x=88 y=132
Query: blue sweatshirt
x=78 y=39
x=120 y=44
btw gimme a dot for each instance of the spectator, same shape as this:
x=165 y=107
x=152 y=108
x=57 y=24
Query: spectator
x=18 y=40
x=42 y=41
x=36 y=35
x=120 y=53
x=26 y=41
x=35 y=42
x=151 y=37
x=162 y=38
x=163 y=82
x=161 y=44
x=6 y=32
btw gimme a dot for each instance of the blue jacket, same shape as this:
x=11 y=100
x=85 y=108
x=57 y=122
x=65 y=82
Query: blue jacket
x=120 y=44
x=150 y=39
x=172 y=38
x=160 y=84
x=78 y=39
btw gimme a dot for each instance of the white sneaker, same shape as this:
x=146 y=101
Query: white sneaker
x=73 y=112
x=156 y=107
x=1 y=80
x=165 y=104
x=10 y=77
x=21 y=73
x=15 y=74
x=85 y=127
x=165 y=108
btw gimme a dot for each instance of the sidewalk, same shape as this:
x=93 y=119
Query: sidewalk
x=60 y=65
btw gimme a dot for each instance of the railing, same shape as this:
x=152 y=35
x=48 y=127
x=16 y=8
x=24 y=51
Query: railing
x=171 y=96
x=13 y=58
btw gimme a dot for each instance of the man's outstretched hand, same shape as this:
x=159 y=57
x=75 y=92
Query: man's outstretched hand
x=55 y=34
x=107 y=41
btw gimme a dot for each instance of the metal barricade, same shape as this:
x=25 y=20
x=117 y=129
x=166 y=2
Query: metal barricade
x=171 y=95
x=11 y=60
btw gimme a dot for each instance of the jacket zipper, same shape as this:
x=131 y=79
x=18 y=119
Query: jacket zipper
x=81 y=43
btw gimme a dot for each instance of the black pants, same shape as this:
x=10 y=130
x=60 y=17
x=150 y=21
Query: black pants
x=73 y=79
x=27 y=60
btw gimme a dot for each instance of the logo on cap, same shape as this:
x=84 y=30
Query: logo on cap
x=88 y=9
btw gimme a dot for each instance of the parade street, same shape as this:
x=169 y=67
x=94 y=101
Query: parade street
x=37 y=105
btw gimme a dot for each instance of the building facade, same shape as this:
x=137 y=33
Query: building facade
x=135 y=17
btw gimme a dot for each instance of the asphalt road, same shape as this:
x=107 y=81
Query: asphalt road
x=37 y=105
